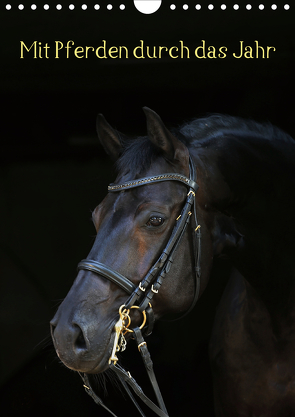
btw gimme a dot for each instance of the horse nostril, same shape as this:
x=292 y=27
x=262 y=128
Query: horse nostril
x=80 y=342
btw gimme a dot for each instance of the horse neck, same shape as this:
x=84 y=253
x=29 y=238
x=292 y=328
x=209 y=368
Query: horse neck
x=250 y=185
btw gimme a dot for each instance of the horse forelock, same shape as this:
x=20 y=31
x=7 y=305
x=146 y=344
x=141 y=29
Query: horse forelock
x=136 y=157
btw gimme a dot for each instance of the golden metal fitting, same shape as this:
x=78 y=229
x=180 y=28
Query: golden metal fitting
x=121 y=328
x=143 y=322
x=154 y=291
x=140 y=345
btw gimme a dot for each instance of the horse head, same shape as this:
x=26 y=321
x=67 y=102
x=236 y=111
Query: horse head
x=134 y=226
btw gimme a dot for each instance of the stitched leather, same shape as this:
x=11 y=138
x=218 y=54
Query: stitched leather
x=151 y=180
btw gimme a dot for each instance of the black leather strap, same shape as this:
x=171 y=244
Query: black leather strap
x=132 y=397
x=148 y=363
x=122 y=374
x=93 y=395
x=150 y=318
x=108 y=273
x=125 y=378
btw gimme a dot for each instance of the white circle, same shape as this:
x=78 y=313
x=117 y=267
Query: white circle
x=97 y=6
x=122 y=6
x=172 y=7
x=46 y=6
x=84 y=7
x=59 y=6
x=198 y=6
x=286 y=7
x=21 y=7
x=8 y=6
x=248 y=7
x=236 y=6
x=71 y=7
x=274 y=6
x=185 y=7
x=109 y=7
x=33 y=7
x=147 y=6
x=210 y=7
x=261 y=6
x=223 y=7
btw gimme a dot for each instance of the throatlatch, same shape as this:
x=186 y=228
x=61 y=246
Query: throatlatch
x=141 y=296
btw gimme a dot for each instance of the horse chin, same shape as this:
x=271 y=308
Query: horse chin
x=104 y=362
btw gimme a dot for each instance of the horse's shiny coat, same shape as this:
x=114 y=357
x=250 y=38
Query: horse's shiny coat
x=245 y=206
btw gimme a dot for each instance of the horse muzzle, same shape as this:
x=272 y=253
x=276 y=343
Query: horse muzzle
x=78 y=351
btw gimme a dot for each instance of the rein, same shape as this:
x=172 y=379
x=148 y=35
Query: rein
x=140 y=297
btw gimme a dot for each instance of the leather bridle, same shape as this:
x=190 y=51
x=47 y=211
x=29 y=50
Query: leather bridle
x=140 y=297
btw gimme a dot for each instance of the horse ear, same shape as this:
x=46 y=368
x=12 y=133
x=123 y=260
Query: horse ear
x=163 y=139
x=108 y=137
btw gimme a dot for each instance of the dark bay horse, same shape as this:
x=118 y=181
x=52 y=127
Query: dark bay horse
x=244 y=200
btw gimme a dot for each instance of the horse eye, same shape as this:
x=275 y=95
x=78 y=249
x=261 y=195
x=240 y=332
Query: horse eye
x=155 y=221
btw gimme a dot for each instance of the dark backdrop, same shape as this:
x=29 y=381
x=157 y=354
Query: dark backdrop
x=53 y=172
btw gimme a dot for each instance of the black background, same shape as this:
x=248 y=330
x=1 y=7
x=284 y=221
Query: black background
x=53 y=172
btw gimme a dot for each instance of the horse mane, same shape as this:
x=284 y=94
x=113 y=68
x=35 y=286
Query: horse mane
x=203 y=129
x=139 y=153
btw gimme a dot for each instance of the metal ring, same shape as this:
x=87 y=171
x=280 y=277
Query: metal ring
x=120 y=309
x=124 y=315
x=143 y=323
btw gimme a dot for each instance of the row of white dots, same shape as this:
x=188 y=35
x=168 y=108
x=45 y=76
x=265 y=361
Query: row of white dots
x=235 y=6
x=172 y=7
x=59 y=7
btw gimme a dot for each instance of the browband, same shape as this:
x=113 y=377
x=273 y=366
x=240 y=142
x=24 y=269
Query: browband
x=158 y=178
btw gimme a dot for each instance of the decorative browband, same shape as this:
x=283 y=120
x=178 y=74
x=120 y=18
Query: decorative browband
x=157 y=178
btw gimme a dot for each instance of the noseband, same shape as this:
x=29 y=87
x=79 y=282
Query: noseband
x=140 y=297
